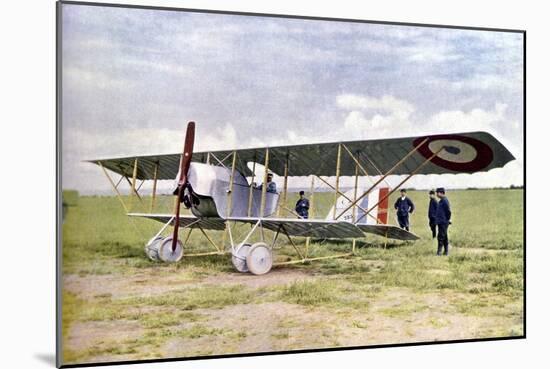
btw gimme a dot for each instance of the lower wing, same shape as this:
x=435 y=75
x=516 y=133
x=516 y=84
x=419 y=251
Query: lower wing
x=293 y=227
x=388 y=231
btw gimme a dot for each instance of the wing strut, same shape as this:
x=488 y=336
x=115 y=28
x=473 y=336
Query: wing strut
x=401 y=183
x=385 y=175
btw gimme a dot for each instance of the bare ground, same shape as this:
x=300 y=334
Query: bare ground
x=394 y=315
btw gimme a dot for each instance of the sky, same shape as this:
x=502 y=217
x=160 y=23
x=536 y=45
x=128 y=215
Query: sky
x=133 y=78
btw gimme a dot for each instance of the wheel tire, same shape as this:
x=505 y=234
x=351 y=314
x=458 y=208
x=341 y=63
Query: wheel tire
x=239 y=257
x=165 y=251
x=151 y=248
x=259 y=259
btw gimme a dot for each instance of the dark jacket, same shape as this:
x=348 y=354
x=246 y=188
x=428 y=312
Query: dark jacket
x=443 y=213
x=404 y=206
x=432 y=209
x=271 y=187
x=302 y=207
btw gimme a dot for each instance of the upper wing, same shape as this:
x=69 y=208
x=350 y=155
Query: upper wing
x=294 y=227
x=463 y=153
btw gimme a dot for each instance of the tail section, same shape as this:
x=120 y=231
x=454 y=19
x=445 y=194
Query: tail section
x=382 y=210
x=378 y=215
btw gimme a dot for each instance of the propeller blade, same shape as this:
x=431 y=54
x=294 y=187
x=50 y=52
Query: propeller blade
x=185 y=163
x=187 y=153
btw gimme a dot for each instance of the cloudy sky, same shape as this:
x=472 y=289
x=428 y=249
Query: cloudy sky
x=133 y=78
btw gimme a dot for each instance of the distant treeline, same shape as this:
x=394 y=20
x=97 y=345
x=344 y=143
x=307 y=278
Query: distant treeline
x=326 y=189
x=511 y=187
x=70 y=197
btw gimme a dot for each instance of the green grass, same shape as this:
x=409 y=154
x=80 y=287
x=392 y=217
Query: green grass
x=97 y=230
x=483 y=277
x=196 y=331
x=196 y=298
x=491 y=219
x=310 y=293
x=70 y=312
x=404 y=309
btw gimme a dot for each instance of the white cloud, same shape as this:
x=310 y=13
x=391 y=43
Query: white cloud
x=84 y=79
x=129 y=74
x=143 y=141
x=389 y=116
x=474 y=120
x=434 y=54
x=372 y=116
x=490 y=81
x=397 y=120
x=221 y=139
x=386 y=103
x=83 y=145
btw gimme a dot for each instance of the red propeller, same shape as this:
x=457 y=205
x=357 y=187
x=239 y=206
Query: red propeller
x=185 y=162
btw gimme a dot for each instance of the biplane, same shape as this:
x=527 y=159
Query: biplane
x=219 y=190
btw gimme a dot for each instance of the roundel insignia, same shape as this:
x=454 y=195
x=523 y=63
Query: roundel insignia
x=456 y=153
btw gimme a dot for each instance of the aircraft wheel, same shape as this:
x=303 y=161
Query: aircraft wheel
x=165 y=251
x=259 y=259
x=239 y=257
x=151 y=248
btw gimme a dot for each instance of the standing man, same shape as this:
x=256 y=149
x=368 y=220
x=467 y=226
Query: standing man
x=443 y=220
x=404 y=206
x=432 y=209
x=302 y=206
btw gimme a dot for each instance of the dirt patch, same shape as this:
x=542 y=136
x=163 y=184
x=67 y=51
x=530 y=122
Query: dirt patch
x=401 y=316
x=101 y=341
x=89 y=334
x=262 y=327
x=398 y=316
x=116 y=286
x=481 y=250
x=276 y=277
x=151 y=283
x=439 y=271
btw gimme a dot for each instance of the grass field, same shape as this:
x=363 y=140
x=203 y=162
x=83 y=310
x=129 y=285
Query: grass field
x=118 y=305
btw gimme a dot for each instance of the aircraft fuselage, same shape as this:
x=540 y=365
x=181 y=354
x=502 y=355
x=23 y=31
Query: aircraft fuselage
x=211 y=186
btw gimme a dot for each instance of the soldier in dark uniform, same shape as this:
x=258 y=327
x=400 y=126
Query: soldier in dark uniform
x=432 y=209
x=404 y=206
x=302 y=206
x=443 y=220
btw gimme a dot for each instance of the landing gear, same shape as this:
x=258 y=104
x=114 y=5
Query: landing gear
x=160 y=249
x=260 y=258
x=239 y=257
x=256 y=258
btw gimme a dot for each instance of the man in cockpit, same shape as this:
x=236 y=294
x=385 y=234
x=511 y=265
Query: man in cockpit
x=271 y=186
